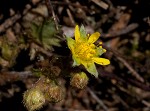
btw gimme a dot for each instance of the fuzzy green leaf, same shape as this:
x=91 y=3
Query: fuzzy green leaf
x=45 y=34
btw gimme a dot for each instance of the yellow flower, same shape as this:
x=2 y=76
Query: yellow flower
x=85 y=52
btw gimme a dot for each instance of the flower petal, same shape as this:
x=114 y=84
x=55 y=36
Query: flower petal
x=93 y=37
x=101 y=61
x=91 y=68
x=77 y=33
x=70 y=43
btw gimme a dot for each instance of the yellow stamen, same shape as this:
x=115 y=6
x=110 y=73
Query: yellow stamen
x=84 y=51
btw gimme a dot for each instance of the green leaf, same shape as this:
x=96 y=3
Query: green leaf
x=48 y=29
x=45 y=34
x=35 y=30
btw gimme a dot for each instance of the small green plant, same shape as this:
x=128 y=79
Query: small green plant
x=45 y=34
x=83 y=51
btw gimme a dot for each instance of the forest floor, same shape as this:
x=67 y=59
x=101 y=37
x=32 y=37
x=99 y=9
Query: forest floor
x=26 y=51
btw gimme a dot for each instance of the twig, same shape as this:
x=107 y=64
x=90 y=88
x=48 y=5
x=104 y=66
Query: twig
x=126 y=30
x=40 y=49
x=117 y=97
x=70 y=17
x=97 y=99
x=121 y=59
x=13 y=76
x=139 y=84
x=50 y=9
x=134 y=73
x=68 y=3
x=9 y=22
x=146 y=103
x=70 y=7
x=124 y=80
x=101 y=4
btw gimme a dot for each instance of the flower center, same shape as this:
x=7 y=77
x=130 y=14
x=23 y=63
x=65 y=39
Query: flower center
x=84 y=51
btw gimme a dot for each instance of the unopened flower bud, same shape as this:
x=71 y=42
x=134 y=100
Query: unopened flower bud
x=79 y=80
x=54 y=93
x=33 y=99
